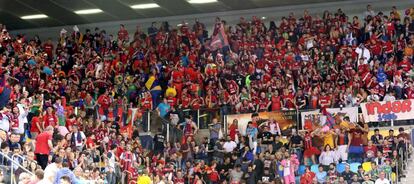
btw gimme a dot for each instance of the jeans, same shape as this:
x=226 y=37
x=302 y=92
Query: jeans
x=298 y=152
x=224 y=111
x=146 y=141
x=398 y=92
x=111 y=177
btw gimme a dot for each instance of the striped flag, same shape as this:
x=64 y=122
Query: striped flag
x=330 y=120
x=131 y=117
x=219 y=37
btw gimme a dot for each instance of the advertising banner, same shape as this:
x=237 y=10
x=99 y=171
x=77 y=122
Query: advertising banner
x=285 y=119
x=388 y=110
x=315 y=118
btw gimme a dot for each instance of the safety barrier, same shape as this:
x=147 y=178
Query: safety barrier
x=9 y=163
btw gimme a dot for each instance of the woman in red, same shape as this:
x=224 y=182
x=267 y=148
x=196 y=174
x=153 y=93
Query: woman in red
x=212 y=173
x=288 y=99
x=234 y=129
x=263 y=104
x=308 y=177
x=90 y=142
x=50 y=118
x=185 y=100
x=104 y=101
x=276 y=101
x=310 y=150
x=36 y=125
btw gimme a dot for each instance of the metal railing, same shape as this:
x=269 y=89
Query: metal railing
x=14 y=164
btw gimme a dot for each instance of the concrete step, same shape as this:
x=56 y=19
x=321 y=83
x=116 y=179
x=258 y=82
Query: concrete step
x=409 y=179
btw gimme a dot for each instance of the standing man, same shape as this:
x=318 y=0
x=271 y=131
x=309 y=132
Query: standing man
x=163 y=108
x=78 y=138
x=44 y=146
x=296 y=143
x=215 y=128
x=128 y=161
x=189 y=129
x=342 y=140
x=251 y=132
x=159 y=140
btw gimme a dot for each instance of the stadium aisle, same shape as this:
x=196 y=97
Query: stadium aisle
x=409 y=173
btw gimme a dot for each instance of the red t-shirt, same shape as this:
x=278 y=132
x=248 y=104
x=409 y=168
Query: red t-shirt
x=42 y=146
x=356 y=137
x=406 y=65
x=324 y=101
x=35 y=122
x=146 y=103
x=276 y=106
x=263 y=104
x=122 y=34
x=289 y=103
x=90 y=143
x=48 y=49
x=185 y=101
x=104 y=102
x=370 y=151
x=233 y=130
x=172 y=101
x=71 y=122
x=50 y=120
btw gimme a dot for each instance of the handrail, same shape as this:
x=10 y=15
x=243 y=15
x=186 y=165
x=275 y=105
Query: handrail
x=17 y=155
x=16 y=163
x=13 y=163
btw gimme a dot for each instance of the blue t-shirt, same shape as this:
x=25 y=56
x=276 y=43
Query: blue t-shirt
x=321 y=176
x=164 y=109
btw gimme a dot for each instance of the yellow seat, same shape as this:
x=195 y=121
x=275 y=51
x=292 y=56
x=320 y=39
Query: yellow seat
x=366 y=166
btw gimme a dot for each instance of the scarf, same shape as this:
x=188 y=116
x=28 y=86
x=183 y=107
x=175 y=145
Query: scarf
x=78 y=138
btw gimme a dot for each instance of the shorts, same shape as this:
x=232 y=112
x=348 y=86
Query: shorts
x=356 y=149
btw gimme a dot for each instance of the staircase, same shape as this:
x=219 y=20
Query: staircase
x=409 y=179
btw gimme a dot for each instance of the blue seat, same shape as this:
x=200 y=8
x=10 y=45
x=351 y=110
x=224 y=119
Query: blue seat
x=302 y=169
x=297 y=179
x=341 y=167
x=354 y=166
x=314 y=168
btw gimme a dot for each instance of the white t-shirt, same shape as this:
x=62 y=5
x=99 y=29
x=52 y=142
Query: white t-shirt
x=286 y=169
x=229 y=146
x=373 y=97
x=4 y=123
x=389 y=98
x=363 y=53
x=22 y=118
x=83 y=137
x=111 y=160
x=50 y=173
x=384 y=181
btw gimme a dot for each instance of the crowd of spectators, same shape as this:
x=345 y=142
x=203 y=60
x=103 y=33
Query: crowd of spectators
x=66 y=106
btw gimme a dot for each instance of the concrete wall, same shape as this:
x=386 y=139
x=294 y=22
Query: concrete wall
x=351 y=7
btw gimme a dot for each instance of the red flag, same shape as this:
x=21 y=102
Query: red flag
x=219 y=37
